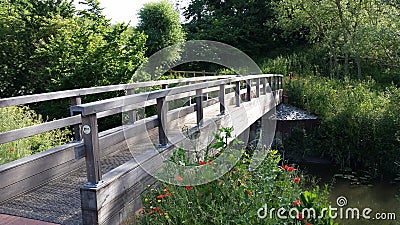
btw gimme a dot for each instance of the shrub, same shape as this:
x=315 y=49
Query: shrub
x=359 y=121
x=236 y=197
x=19 y=117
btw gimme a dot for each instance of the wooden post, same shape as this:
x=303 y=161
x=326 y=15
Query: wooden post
x=248 y=90
x=77 y=127
x=132 y=113
x=162 y=109
x=221 y=97
x=199 y=106
x=237 y=93
x=264 y=82
x=90 y=135
x=270 y=82
x=258 y=87
x=189 y=102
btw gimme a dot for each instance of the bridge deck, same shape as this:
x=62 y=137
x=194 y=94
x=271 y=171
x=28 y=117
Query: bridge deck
x=48 y=203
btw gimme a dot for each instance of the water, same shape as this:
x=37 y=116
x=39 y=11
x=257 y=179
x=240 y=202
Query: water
x=379 y=196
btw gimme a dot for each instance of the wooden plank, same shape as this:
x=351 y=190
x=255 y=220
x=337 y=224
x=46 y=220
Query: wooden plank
x=92 y=148
x=104 y=105
x=30 y=172
x=21 y=100
x=13 y=135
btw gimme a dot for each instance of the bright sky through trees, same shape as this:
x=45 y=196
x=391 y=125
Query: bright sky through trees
x=124 y=10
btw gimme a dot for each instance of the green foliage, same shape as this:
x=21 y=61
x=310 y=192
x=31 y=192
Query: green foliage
x=160 y=22
x=49 y=46
x=359 y=32
x=359 y=122
x=235 y=198
x=248 y=25
x=18 y=117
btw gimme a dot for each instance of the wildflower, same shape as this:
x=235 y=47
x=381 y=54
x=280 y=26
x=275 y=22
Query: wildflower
x=168 y=194
x=160 y=196
x=159 y=200
x=300 y=216
x=248 y=192
x=146 y=200
x=11 y=150
x=285 y=167
x=166 y=216
x=296 y=180
x=202 y=163
x=297 y=202
x=165 y=189
x=209 y=162
x=290 y=169
x=189 y=188
x=178 y=178
x=156 y=209
x=307 y=223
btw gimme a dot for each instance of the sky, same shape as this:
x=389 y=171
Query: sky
x=124 y=10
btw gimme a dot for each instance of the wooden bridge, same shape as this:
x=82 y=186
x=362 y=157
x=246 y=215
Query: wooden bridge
x=95 y=179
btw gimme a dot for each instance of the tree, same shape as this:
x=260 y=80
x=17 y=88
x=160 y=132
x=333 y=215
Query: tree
x=245 y=24
x=362 y=29
x=160 y=22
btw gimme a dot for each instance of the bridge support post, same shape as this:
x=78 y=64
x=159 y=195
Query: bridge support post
x=199 y=106
x=91 y=143
x=264 y=83
x=77 y=128
x=237 y=93
x=258 y=87
x=131 y=114
x=248 y=90
x=162 y=109
x=221 y=97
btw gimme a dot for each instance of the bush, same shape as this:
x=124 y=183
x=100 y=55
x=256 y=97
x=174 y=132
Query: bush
x=236 y=197
x=359 y=122
x=18 y=117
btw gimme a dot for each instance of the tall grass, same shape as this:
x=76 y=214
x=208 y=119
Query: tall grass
x=18 y=117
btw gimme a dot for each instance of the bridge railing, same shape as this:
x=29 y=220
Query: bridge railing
x=27 y=173
x=93 y=206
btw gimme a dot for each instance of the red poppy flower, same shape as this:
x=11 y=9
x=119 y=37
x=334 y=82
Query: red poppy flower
x=160 y=196
x=11 y=150
x=296 y=180
x=290 y=168
x=297 y=202
x=248 y=192
x=156 y=209
x=300 y=216
x=202 y=163
x=189 y=188
x=151 y=212
x=178 y=178
x=285 y=167
x=307 y=223
x=168 y=194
